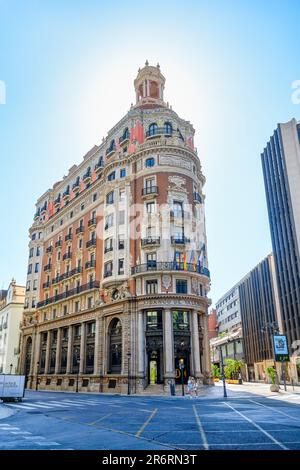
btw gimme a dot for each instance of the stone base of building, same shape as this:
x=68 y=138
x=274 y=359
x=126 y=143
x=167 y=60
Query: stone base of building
x=257 y=371
x=117 y=384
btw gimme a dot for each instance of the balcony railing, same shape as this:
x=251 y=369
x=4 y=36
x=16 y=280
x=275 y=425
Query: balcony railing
x=197 y=197
x=67 y=256
x=90 y=264
x=150 y=190
x=49 y=249
x=46 y=285
x=69 y=293
x=159 y=131
x=48 y=267
x=124 y=138
x=91 y=243
x=87 y=176
x=107 y=249
x=80 y=229
x=150 y=241
x=68 y=237
x=170 y=266
x=107 y=274
x=58 y=243
x=92 y=222
x=179 y=240
x=67 y=275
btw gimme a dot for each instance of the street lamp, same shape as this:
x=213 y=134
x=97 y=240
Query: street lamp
x=222 y=372
x=77 y=375
x=128 y=358
x=11 y=366
x=37 y=376
x=181 y=367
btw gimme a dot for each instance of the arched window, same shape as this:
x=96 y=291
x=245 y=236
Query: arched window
x=153 y=129
x=115 y=346
x=150 y=162
x=168 y=128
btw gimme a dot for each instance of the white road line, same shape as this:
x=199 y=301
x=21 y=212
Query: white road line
x=11 y=428
x=148 y=411
x=275 y=409
x=257 y=426
x=201 y=430
x=47 y=443
x=24 y=407
x=21 y=432
x=30 y=438
x=59 y=403
x=72 y=403
x=37 y=405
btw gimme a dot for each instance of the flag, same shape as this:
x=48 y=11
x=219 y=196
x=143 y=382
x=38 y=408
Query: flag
x=184 y=262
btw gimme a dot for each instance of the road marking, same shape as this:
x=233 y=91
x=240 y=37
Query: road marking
x=52 y=404
x=47 y=443
x=21 y=432
x=201 y=430
x=141 y=430
x=142 y=409
x=274 y=409
x=257 y=426
x=73 y=404
x=98 y=420
x=37 y=405
x=24 y=407
x=11 y=428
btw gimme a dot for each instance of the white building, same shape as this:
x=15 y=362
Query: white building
x=11 y=310
x=228 y=310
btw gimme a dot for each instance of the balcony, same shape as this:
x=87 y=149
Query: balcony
x=99 y=165
x=67 y=256
x=90 y=264
x=107 y=249
x=76 y=185
x=110 y=151
x=69 y=293
x=197 y=198
x=48 y=267
x=169 y=266
x=91 y=243
x=66 y=195
x=181 y=240
x=58 y=243
x=150 y=241
x=92 y=222
x=150 y=191
x=46 y=285
x=57 y=202
x=159 y=131
x=107 y=274
x=68 y=237
x=49 y=249
x=124 y=139
x=37 y=214
x=79 y=229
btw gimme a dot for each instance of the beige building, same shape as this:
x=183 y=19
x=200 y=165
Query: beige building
x=11 y=311
x=123 y=283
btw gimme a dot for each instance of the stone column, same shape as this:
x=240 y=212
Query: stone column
x=169 y=372
x=97 y=348
x=58 y=351
x=148 y=87
x=36 y=353
x=47 y=360
x=82 y=348
x=195 y=344
x=70 y=344
x=141 y=344
x=206 y=350
x=144 y=88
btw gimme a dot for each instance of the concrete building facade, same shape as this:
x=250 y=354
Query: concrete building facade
x=124 y=279
x=11 y=311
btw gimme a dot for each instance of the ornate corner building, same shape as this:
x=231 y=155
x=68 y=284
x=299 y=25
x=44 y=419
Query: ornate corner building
x=117 y=276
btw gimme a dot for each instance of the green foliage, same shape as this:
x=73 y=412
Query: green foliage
x=215 y=371
x=271 y=373
x=232 y=368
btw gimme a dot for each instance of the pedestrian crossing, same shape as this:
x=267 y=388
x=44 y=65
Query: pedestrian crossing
x=55 y=404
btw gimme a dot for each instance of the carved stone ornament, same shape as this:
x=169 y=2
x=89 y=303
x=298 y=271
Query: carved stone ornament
x=178 y=183
x=195 y=285
x=166 y=281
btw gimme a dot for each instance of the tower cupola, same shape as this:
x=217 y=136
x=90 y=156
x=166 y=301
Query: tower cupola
x=149 y=87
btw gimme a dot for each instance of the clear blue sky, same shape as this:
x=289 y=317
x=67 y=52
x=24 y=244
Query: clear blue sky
x=69 y=67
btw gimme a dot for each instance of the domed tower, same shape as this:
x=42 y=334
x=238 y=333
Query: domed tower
x=149 y=87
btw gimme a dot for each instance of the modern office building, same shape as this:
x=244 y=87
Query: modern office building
x=11 y=311
x=281 y=170
x=123 y=287
x=228 y=310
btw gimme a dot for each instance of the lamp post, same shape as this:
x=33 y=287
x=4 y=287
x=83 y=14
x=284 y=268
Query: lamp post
x=222 y=372
x=128 y=358
x=181 y=367
x=77 y=375
x=10 y=368
x=37 y=376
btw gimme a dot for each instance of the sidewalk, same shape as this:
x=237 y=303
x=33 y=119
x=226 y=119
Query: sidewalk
x=260 y=389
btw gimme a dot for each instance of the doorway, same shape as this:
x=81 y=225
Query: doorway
x=182 y=357
x=154 y=368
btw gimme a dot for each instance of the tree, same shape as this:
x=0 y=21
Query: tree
x=215 y=371
x=232 y=368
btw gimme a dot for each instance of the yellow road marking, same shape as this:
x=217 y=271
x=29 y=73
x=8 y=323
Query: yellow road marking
x=141 y=430
x=201 y=430
x=98 y=420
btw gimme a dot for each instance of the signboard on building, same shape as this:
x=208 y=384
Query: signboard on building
x=281 y=348
x=12 y=386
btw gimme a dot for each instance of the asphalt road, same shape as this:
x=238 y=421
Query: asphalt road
x=60 y=421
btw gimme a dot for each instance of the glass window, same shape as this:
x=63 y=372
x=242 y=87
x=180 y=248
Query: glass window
x=151 y=286
x=37 y=267
x=150 y=207
x=109 y=221
x=121 y=242
x=150 y=162
x=121 y=217
x=115 y=347
x=108 y=269
x=111 y=176
x=110 y=198
x=180 y=320
x=154 y=320
x=181 y=286
x=31 y=253
x=153 y=129
x=151 y=260
x=121 y=266
x=168 y=128
x=122 y=173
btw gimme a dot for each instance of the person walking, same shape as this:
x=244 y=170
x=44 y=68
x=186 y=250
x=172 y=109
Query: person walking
x=190 y=387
